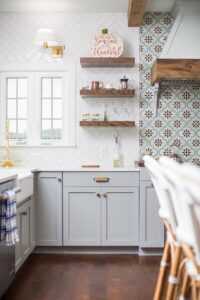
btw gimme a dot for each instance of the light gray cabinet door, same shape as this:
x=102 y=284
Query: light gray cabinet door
x=26 y=229
x=81 y=216
x=24 y=247
x=18 y=251
x=49 y=209
x=151 y=226
x=120 y=216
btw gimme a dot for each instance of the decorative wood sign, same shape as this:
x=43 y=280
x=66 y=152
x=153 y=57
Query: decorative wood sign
x=107 y=45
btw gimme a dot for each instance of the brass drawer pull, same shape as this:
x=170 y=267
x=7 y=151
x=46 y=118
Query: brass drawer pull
x=101 y=179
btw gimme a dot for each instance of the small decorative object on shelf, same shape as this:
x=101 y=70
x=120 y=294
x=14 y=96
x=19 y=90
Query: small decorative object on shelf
x=116 y=154
x=96 y=85
x=95 y=117
x=105 y=117
x=85 y=85
x=107 y=45
x=8 y=163
x=124 y=83
x=86 y=117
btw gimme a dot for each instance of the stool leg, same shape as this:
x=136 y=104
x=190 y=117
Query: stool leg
x=162 y=272
x=185 y=289
x=198 y=290
x=173 y=279
x=194 y=289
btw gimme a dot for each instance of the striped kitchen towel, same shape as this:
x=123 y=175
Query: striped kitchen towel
x=8 y=222
x=3 y=206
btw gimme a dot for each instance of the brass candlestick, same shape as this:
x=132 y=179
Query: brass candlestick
x=8 y=163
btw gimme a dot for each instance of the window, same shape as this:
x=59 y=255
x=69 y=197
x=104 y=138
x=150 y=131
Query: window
x=52 y=100
x=16 y=98
x=40 y=106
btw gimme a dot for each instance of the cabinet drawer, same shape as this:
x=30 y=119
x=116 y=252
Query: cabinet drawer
x=101 y=179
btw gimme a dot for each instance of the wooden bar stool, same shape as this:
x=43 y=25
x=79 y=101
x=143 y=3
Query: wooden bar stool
x=184 y=186
x=172 y=249
x=190 y=175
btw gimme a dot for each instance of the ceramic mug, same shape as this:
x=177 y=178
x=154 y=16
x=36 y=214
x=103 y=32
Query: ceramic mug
x=96 y=85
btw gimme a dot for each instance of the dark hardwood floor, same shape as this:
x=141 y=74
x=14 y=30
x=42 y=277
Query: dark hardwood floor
x=85 y=277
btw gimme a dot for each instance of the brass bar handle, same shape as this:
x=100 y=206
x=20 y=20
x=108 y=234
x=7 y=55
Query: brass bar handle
x=101 y=179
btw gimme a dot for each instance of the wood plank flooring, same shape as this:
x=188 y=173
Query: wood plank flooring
x=85 y=277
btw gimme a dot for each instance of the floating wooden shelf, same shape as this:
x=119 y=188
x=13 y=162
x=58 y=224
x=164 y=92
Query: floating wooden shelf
x=175 y=70
x=107 y=93
x=103 y=62
x=108 y=123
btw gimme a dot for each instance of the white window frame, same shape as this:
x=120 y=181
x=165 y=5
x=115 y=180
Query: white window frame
x=3 y=104
x=34 y=72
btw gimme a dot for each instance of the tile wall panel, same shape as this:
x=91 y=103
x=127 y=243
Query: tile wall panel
x=177 y=121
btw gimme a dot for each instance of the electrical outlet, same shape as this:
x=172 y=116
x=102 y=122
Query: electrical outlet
x=104 y=152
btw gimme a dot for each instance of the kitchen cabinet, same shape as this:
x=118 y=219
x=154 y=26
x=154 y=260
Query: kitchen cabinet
x=49 y=208
x=99 y=212
x=25 y=221
x=81 y=217
x=120 y=216
x=151 y=226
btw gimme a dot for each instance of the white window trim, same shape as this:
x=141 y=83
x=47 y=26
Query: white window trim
x=36 y=70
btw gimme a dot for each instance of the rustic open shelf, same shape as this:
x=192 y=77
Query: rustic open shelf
x=103 y=62
x=108 y=123
x=107 y=93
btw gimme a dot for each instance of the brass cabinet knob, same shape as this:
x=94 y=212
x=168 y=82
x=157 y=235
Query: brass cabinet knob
x=104 y=195
x=60 y=179
x=98 y=195
x=24 y=213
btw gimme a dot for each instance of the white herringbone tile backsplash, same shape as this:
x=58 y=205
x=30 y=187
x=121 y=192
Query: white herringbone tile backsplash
x=94 y=145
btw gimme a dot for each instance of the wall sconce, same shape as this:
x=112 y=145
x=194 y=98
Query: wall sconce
x=47 y=38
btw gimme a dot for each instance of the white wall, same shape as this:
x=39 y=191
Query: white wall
x=94 y=145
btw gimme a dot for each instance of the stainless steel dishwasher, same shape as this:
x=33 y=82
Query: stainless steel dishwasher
x=7 y=254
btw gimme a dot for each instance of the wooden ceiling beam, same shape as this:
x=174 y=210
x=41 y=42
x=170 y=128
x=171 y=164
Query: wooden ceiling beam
x=136 y=10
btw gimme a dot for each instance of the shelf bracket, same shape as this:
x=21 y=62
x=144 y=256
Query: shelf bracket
x=156 y=98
